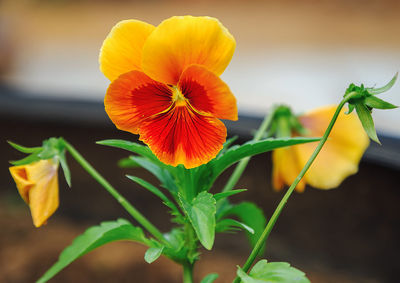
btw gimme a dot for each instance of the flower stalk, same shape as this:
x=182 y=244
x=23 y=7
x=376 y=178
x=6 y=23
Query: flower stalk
x=281 y=205
x=128 y=207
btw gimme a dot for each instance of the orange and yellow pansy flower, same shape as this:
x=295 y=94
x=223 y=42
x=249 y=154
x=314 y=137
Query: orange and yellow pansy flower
x=37 y=184
x=337 y=160
x=166 y=86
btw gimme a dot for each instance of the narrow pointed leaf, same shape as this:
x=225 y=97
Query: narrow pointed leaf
x=367 y=122
x=227 y=144
x=201 y=213
x=351 y=108
x=64 y=166
x=163 y=175
x=93 y=238
x=385 y=88
x=127 y=162
x=152 y=254
x=24 y=149
x=236 y=153
x=272 y=272
x=252 y=216
x=227 y=224
x=132 y=147
x=27 y=160
x=154 y=190
x=210 y=278
x=222 y=195
x=375 y=102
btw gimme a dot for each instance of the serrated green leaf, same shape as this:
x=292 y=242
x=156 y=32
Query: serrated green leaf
x=272 y=272
x=152 y=254
x=201 y=213
x=367 y=122
x=127 y=162
x=210 y=278
x=375 y=91
x=163 y=175
x=222 y=195
x=93 y=238
x=153 y=190
x=65 y=168
x=24 y=149
x=236 y=153
x=227 y=144
x=227 y=225
x=375 y=102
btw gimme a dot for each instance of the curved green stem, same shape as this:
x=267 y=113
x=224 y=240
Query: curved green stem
x=281 y=205
x=129 y=208
x=237 y=173
x=187 y=273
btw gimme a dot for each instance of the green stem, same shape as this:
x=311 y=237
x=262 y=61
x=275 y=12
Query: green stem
x=237 y=173
x=187 y=272
x=281 y=205
x=129 y=208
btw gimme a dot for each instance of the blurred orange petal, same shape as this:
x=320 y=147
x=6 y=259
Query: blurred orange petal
x=207 y=93
x=38 y=185
x=179 y=42
x=134 y=97
x=183 y=136
x=122 y=49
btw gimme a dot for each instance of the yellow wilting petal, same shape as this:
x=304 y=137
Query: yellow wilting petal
x=179 y=42
x=341 y=153
x=38 y=185
x=285 y=169
x=122 y=49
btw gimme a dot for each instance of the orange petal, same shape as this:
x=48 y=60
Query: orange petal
x=122 y=49
x=38 y=183
x=285 y=168
x=342 y=152
x=182 y=136
x=134 y=97
x=207 y=93
x=179 y=42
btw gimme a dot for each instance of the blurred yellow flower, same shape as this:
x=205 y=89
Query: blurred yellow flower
x=37 y=184
x=337 y=160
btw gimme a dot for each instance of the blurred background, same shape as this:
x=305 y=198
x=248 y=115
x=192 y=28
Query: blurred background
x=304 y=53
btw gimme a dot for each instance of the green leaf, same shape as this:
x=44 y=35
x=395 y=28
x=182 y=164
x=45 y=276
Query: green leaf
x=127 y=162
x=385 y=88
x=132 y=147
x=252 y=216
x=24 y=149
x=272 y=272
x=236 y=153
x=152 y=254
x=227 y=144
x=210 y=278
x=230 y=224
x=163 y=175
x=222 y=195
x=93 y=238
x=201 y=213
x=27 y=160
x=154 y=190
x=351 y=108
x=367 y=122
x=375 y=102
x=64 y=166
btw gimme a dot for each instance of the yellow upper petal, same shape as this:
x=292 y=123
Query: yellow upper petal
x=38 y=185
x=342 y=152
x=122 y=49
x=182 y=41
